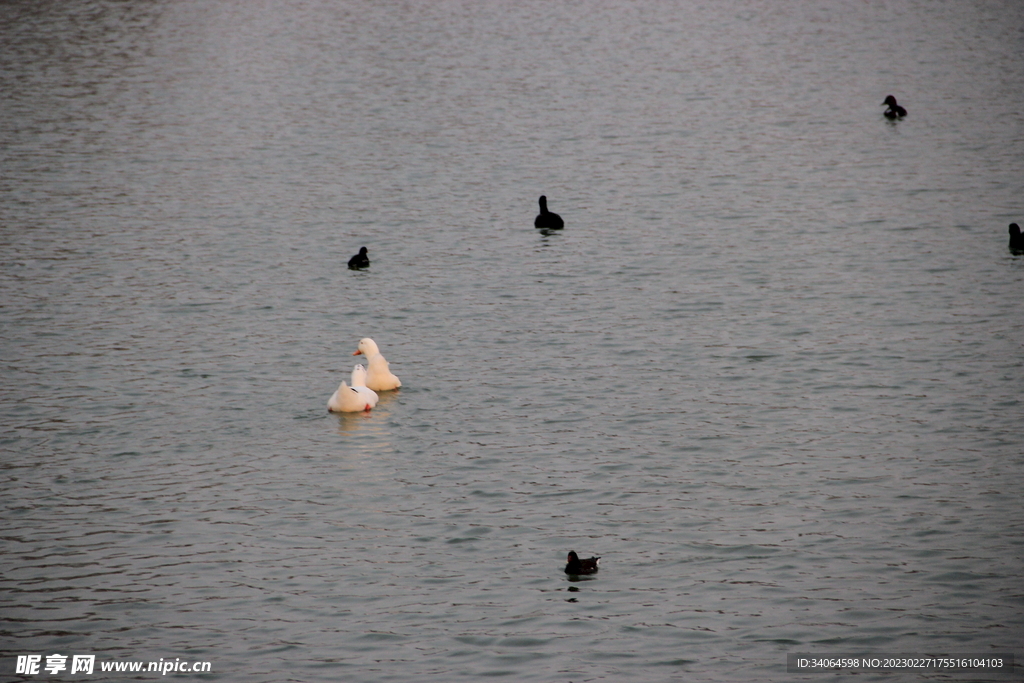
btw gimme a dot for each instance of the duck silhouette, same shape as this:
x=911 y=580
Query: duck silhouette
x=360 y=260
x=547 y=219
x=1016 y=239
x=894 y=111
x=576 y=566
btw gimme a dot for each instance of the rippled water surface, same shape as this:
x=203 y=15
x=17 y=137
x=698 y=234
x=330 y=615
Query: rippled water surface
x=771 y=371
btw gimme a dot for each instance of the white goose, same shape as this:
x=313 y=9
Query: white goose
x=355 y=398
x=379 y=377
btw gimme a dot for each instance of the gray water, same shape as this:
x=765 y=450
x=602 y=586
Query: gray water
x=771 y=371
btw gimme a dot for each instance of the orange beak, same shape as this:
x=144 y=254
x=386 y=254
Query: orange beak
x=357 y=352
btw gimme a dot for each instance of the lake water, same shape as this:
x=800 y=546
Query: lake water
x=771 y=371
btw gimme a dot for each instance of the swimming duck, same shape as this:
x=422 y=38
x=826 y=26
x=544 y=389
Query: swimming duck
x=1016 y=239
x=353 y=399
x=379 y=377
x=577 y=566
x=547 y=219
x=360 y=260
x=894 y=111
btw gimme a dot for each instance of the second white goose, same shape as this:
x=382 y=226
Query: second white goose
x=355 y=398
x=379 y=376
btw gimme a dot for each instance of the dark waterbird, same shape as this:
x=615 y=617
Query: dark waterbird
x=1016 y=239
x=894 y=111
x=547 y=219
x=360 y=260
x=577 y=566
